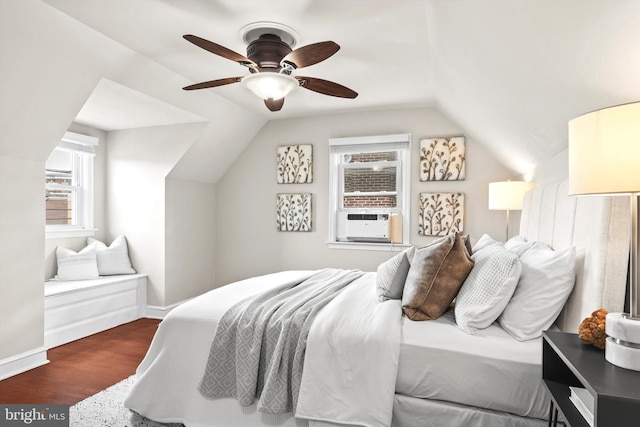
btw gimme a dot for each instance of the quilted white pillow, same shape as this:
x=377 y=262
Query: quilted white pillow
x=546 y=282
x=391 y=275
x=74 y=265
x=113 y=259
x=488 y=288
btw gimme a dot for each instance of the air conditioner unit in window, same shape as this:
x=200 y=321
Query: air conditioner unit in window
x=357 y=227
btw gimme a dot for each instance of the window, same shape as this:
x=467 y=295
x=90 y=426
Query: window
x=69 y=187
x=368 y=183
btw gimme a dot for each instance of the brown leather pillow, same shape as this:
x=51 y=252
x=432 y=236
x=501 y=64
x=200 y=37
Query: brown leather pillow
x=435 y=277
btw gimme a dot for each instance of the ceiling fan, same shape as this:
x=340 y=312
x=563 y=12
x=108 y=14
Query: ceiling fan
x=271 y=60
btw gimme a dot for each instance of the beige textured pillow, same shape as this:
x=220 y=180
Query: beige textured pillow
x=435 y=277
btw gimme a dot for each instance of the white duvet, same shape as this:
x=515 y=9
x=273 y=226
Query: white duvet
x=352 y=357
x=168 y=377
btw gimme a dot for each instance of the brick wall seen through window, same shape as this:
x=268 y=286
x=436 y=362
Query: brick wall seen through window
x=374 y=179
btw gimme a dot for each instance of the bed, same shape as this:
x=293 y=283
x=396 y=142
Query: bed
x=413 y=373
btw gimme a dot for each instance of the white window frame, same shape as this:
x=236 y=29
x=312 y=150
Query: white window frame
x=341 y=146
x=83 y=150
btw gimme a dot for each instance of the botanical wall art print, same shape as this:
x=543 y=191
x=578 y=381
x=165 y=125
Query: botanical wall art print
x=295 y=164
x=294 y=212
x=440 y=214
x=442 y=159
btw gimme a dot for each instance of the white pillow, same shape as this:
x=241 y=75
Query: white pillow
x=488 y=288
x=391 y=275
x=74 y=265
x=113 y=259
x=485 y=240
x=545 y=284
x=518 y=244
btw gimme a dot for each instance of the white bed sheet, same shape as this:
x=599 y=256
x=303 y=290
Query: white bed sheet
x=487 y=370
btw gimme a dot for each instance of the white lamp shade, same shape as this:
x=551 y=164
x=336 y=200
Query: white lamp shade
x=507 y=195
x=268 y=85
x=604 y=151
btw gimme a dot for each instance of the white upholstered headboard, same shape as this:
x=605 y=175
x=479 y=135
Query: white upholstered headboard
x=599 y=228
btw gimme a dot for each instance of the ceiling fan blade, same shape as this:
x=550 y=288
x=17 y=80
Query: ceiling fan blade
x=213 y=83
x=326 y=87
x=219 y=50
x=311 y=54
x=274 y=104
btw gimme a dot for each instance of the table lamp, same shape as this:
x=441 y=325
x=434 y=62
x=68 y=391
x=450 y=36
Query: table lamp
x=507 y=196
x=604 y=158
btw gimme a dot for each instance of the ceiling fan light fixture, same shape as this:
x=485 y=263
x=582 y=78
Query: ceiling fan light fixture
x=267 y=85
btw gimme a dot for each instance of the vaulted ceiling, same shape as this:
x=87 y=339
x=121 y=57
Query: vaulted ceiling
x=509 y=72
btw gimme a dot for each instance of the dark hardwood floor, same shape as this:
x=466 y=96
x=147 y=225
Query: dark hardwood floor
x=82 y=368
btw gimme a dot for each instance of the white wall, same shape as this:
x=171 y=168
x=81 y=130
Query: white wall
x=189 y=239
x=41 y=89
x=553 y=170
x=247 y=242
x=21 y=248
x=138 y=161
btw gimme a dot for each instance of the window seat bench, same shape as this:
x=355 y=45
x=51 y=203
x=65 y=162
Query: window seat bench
x=78 y=308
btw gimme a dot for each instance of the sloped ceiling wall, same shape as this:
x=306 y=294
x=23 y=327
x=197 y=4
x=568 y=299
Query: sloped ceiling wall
x=510 y=73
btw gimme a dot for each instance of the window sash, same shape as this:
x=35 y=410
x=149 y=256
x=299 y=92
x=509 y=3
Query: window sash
x=395 y=164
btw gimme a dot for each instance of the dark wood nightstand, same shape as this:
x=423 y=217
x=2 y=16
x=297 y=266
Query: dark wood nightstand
x=566 y=361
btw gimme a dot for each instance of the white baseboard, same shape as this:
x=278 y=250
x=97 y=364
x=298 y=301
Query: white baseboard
x=22 y=362
x=159 y=312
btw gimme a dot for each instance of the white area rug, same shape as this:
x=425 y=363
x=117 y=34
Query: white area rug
x=106 y=408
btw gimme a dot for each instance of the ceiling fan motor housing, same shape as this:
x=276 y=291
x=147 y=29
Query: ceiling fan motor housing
x=267 y=51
